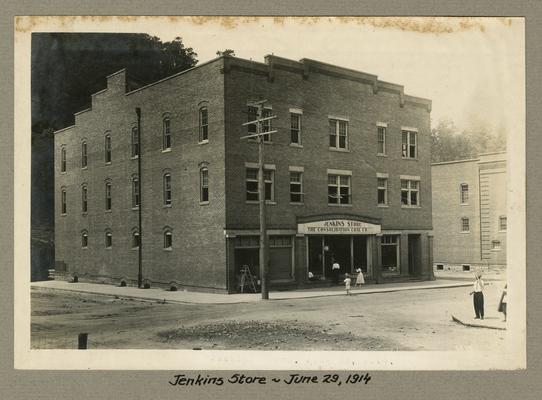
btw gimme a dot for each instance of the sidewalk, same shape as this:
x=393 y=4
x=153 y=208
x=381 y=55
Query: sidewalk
x=155 y=294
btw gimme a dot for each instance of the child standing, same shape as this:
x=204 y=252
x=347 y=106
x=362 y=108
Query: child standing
x=360 y=280
x=347 y=282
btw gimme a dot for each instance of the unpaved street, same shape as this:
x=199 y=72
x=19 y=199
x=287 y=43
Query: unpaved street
x=407 y=320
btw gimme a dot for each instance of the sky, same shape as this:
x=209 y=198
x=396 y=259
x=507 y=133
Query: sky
x=469 y=67
x=473 y=69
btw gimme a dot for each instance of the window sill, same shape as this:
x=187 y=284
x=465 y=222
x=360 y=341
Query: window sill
x=382 y=155
x=168 y=249
x=339 y=150
x=410 y=207
x=135 y=208
x=83 y=168
x=464 y=232
x=84 y=248
x=107 y=211
x=203 y=203
x=206 y=141
x=134 y=248
x=135 y=157
x=299 y=146
x=108 y=163
x=502 y=231
x=63 y=172
x=84 y=213
x=495 y=249
x=383 y=206
x=463 y=204
x=296 y=204
x=166 y=206
x=63 y=214
x=168 y=150
x=409 y=158
x=108 y=248
x=339 y=205
x=258 y=202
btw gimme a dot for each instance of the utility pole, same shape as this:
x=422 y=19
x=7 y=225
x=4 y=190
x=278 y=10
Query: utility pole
x=140 y=208
x=259 y=135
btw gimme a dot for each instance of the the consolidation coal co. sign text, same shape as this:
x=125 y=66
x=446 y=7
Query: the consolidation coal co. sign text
x=338 y=227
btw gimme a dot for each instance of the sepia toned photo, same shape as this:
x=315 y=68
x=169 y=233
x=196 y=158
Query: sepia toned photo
x=270 y=193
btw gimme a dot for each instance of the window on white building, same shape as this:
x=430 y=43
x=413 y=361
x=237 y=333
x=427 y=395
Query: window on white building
x=502 y=223
x=464 y=193
x=465 y=224
x=135 y=142
x=84 y=156
x=382 y=191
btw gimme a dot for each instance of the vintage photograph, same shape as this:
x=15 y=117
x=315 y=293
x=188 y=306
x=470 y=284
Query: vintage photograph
x=348 y=189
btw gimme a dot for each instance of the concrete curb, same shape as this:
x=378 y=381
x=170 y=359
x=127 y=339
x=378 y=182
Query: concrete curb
x=457 y=320
x=252 y=298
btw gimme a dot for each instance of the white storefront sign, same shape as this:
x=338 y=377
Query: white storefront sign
x=338 y=227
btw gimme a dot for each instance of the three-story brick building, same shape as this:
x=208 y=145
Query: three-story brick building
x=347 y=176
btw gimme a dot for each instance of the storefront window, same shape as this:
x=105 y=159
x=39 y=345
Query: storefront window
x=390 y=254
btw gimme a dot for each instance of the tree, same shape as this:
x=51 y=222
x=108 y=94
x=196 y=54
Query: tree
x=226 y=52
x=448 y=143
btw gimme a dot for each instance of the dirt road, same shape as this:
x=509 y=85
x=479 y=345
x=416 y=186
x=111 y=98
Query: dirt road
x=409 y=320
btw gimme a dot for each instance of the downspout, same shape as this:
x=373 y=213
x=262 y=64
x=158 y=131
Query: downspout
x=140 y=249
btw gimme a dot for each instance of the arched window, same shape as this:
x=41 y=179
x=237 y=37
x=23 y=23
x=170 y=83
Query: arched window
x=108 y=195
x=84 y=157
x=84 y=198
x=135 y=192
x=135 y=238
x=84 y=239
x=63 y=205
x=203 y=125
x=108 y=239
x=204 y=185
x=166 y=134
x=63 y=159
x=168 y=239
x=108 y=148
x=135 y=142
x=167 y=189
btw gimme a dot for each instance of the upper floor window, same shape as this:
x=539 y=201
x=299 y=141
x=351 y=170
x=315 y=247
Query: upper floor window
x=167 y=189
x=409 y=144
x=135 y=142
x=84 y=199
x=203 y=124
x=168 y=239
x=135 y=192
x=252 y=188
x=295 y=128
x=166 y=134
x=266 y=126
x=84 y=157
x=63 y=159
x=495 y=245
x=84 y=239
x=108 y=196
x=338 y=134
x=204 y=185
x=63 y=205
x=338 y=189
x=410 y=192
x=464 y=193
x=465 y=225
x=108 y=239
x=382 y=189
x=135 y=239
x=108 y=148
x=296 y=187
x=502 y=223
x=381 y=139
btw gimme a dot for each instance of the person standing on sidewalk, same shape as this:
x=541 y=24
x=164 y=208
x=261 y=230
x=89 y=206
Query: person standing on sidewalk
x=502 y=302
x=347 y=282
x=335 y=271
x=359 y=279
x=478 y=298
